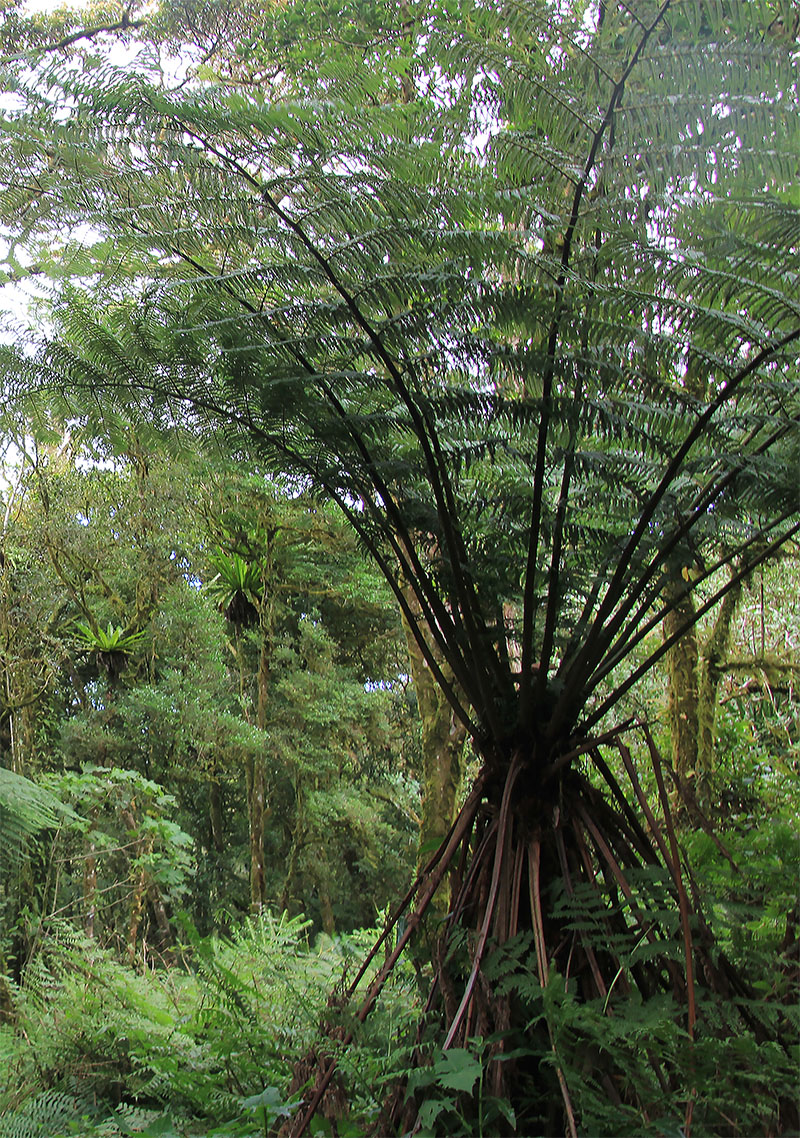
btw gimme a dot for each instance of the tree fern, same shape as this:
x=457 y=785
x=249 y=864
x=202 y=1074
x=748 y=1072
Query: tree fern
x=535 y=331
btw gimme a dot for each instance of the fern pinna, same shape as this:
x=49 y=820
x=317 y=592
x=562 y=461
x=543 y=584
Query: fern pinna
x=531 y=321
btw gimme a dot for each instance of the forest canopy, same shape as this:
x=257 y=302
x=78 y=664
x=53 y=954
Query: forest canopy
x=407 y=401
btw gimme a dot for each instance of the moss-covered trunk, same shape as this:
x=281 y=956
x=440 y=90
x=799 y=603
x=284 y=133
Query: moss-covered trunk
x=713 y=658
x=255 y=808
x=443 y=738
x=695 y=667
x=683 y=690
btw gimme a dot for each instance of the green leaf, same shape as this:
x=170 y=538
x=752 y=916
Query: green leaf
x=458 y=1070
x=273 y=1101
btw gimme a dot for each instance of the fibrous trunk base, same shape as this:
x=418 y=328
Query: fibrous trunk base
x=571 y=910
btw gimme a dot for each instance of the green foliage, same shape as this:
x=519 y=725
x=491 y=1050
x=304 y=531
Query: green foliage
x=106 y=794
x=451 y=1101
x=235 y=587
x=611 y=1051
x=100 y=544
x=212 y=1047
x=113 y=638
x=50 y=1114
x=25 y=809
x=753 y=889
x=113 y=849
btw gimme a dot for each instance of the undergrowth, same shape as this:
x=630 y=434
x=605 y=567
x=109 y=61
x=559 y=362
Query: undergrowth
x=223 y=1043
x=211 y=1048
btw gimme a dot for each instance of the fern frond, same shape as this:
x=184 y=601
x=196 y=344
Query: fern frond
x=25 y=808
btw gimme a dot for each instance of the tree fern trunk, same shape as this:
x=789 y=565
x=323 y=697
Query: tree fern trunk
x=548 y=845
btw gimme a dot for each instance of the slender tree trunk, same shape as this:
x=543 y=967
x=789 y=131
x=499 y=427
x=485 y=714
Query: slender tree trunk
x=443 y=739
x=144 y=890
x=215 y=815
x=711 y=670
x=255 y=772
x=257 y=811
x=694 y=671
x=136 y=911
x=8 y=1011
x=21 y=727
x=89 y=890
x=326 y=905
x=161 y=918
x=682 y=672
x=294 y=850
x=139 y=882
x=256 y=815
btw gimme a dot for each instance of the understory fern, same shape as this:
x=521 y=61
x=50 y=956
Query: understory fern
x=25 y=808
x=49 y=1114
x=91 y=1038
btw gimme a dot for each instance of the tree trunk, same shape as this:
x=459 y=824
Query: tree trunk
x=682 y=669
x=711 y=670
x=90 y=880
x=255 y=770
x=326 y=907
x=139 y=881
x=215 y=815
x=255 y=794
x=136 y=911
x=162 y=920
x=21 y=733
x=443 y=739
x=8 y=1011
x=257 y=811
x=144 y=890
x=694 y=671
x=297 y=839
x=89 y=890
